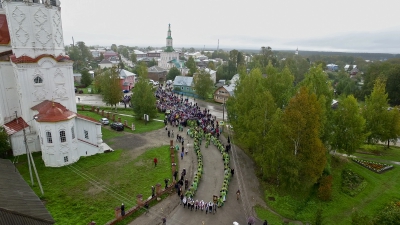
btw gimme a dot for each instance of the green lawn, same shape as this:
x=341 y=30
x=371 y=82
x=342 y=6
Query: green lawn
x=380 y=190
x=91 y=188
x=140 y=126
x=392 y=153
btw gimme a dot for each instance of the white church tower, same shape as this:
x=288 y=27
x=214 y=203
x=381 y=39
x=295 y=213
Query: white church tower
x=36 y=81
x=168 y=57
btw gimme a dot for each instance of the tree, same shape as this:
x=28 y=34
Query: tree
x=280 y=85
x=143 y=99
x=172 y=73
x=211 y=65
x=392 y=126
x=86 y=78
x=110 y=87
x=4 y=143
x=349 y=126
x=304 y=151
x=101 y=57
x=191 y=64
x=81 y=55
x=125 y=52
x=133 y=57
x=203 y=84
x=114 y=48
x=375 y=112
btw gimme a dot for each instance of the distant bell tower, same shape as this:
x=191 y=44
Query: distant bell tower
x=297 y=51
x=169 y=40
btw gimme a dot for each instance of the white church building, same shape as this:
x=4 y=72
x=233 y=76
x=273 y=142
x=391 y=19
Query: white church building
x=169 y=57
x=37 y=87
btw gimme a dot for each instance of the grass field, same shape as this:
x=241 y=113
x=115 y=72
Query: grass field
x=140 y=126
x=91 y=188
x=380 y=190
x=380 y=152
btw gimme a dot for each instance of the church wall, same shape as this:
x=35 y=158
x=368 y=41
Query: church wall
x=34 y=29
x=91 y=141
x=56 y=84
x=9 y=101
x=55 y=152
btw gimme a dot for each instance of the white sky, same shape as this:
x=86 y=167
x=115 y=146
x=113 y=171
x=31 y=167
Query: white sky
x=339 y=25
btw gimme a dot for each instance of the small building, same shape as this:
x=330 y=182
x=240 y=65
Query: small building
x=157 y=73
x=109 y=54
x=105 y=63
x=184 y=85
x=332 y=67
x=127 y=79
x=19 y=204
x=77 y=77
x=222 y=94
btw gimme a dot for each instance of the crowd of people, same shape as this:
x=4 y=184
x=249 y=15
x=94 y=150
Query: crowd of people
x=180 y=113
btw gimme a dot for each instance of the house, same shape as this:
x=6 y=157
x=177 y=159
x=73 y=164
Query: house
x=105 y=63
x=109 y=54
x=77 y=77
x=223 y=93
x=19 y=204
x=332 y=67
x=127 y=79
x=184 y=85
x=157 y=73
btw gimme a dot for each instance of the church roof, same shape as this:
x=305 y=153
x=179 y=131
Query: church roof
x=15 y=126
x=169 y=49
x=80 y=116
x=52 y=112
x=19 y=204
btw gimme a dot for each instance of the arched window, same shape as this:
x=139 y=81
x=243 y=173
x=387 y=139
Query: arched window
x=63 y=138
x=73 y=132
x=38 y=80
x=48 y=137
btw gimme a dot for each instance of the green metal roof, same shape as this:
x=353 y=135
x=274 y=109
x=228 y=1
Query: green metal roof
x=169 y=49
x=169 y=37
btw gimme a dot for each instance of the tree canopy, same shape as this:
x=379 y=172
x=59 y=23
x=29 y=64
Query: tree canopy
x=4 y=143
x=172 y=73
x=203 y=84
x=86 y=78
x=143 y=99
x=110 y=86
x=191 y=65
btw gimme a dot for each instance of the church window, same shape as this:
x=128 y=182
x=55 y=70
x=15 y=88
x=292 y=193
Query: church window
x=86 y=134
x=63 y=138
x=65 y=159
x=38 y=80
x=48 y=137
x=73 y=132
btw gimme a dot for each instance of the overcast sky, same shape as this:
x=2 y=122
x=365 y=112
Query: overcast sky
x=339 y=25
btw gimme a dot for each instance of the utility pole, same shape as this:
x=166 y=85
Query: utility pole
x=223 y=115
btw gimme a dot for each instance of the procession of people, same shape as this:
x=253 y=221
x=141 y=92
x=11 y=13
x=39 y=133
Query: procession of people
x=201 y=126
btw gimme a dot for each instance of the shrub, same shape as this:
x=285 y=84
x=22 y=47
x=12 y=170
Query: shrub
x=325 y=188
x=352 y=183
x=389 y=215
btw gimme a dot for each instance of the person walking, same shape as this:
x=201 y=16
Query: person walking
x=122 y=209
x=172 y=134
x=164 y=221
x=166 y=183
x=146 y=207
x=155 y=162
x=169 y=134
x=153 y=191
x=175 y=175
x=265 y=222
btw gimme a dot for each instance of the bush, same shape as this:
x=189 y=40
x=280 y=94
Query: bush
x=389 y=215
x=352 y=183
x=325 y=188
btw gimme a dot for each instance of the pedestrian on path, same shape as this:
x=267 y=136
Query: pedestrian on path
x=164 y=221
x=122 y=209
x=166 y=183
x=175 y=174
x=182 y=155
x=172 y=135
x=155 y=162
x=169 y=134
